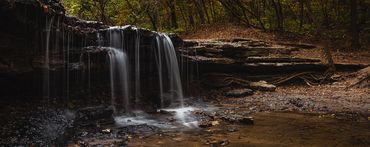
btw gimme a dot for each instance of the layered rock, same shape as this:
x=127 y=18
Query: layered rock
x=42 y=49
x=256 y=60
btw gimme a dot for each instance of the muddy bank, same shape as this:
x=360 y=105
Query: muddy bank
x=318 y=99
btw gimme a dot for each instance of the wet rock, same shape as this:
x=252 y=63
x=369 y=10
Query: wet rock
x=179 y=139
x=245 y=120
x=106 y=131
x=204 y=124
x=165 y=112
x=94 y=116
x=231 y=129
x=215 y=123
x=239 y=93
x=215 y=143
x=40 y=127
x=224 y=142
x=176 y=40
x=93 y=113
x=143 y=129
x=202 y=59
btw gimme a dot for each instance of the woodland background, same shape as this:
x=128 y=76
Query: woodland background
x=339 y=22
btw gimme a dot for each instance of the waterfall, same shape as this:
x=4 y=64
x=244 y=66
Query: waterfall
x=123 y=46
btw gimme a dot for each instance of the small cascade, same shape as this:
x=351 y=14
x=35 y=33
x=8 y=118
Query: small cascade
x=137 y=66
x=123 y=44
x=119 y=67
x=46 y=76
x=119 y=78
x=169 y=60
x=159 y=65
x=66 y=63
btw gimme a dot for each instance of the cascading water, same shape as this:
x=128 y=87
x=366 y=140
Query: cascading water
x=165 y=46
x=119 y=77
x=125 y=41
x=137 y=66
x=46 y=82
x=159 y=65
x=119 y=67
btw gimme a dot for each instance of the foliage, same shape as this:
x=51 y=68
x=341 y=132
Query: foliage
x=308 y=17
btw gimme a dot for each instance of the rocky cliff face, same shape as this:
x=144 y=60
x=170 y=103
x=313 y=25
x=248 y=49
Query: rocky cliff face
x=42 y=49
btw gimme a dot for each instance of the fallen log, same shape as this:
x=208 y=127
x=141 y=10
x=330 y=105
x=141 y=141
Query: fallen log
x=360 y=79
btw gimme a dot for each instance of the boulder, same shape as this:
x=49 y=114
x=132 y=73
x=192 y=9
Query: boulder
x=239 y=119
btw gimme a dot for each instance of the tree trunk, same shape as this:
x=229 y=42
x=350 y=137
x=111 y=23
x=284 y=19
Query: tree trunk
x=153 y=19
x=172 y=6
x=205 y=11
x=354 y=26
x=278 y=13
x=200 y=12
x=190 y=15
x=301 y=6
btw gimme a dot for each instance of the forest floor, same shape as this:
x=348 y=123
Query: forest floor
x=338 y=48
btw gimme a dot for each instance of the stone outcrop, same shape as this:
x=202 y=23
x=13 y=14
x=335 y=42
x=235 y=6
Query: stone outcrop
x=255 y=60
